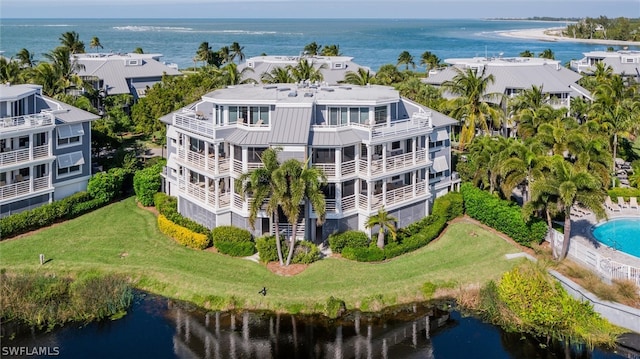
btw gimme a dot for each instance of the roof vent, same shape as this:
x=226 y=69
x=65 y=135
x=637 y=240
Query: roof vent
x=284 y=89
x=269 y=87
x=345 y=87
x=308 y=94
x=328 y=89
x=293 y=94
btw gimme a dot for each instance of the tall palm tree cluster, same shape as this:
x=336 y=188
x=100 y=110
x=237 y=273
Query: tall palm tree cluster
x=558 y=160
x=286 y=187
x=304 y=70
x=224 y=55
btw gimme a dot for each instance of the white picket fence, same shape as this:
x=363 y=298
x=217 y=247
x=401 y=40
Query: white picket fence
x=605 y=266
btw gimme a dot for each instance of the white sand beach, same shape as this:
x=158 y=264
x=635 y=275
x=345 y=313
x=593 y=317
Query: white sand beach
x=554 y=34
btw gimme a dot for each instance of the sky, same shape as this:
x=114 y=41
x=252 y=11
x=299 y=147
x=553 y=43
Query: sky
x=316 y=8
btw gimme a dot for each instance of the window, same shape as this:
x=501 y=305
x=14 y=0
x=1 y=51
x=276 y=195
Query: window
x=70 y=164
x=23 y=142
x=69 y=135
x=40 y=139
x=255 y=154
x=338 y=116
x=259 y=115
x=395 y=145
x=359 y=115
x=380 y=115
x=233 y=114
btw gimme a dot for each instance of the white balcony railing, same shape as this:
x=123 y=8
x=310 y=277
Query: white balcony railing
x=24 y=187
x=190 y=122
x=420 y=121
x=26 y=121
x=392 y=197
x=348 y=168
x=394 y=163
x=329 y=169
x=348 y=203
x=22 y=155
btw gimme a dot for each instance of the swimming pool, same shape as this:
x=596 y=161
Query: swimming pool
x=622 y=234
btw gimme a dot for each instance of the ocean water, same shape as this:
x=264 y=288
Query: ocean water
x=372 y=42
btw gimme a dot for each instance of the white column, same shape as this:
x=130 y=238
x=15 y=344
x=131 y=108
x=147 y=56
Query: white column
x=338 y=162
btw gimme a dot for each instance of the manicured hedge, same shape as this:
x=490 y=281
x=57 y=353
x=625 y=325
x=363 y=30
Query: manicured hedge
x=106 y=185
x=267 y=248
x=353 y=239
x=168 y=207
x=146 y=183
x=415 y=235
x=505 y=216
x=627 y=192
x=183 y=235
x=47 y=214
x=233 y=241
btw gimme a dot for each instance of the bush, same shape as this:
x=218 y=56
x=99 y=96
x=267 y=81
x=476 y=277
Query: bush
x=168 y=207
x=233 y=241
x=305 y=252
x=364 y=254
x=502 y=215
x=267 y=248
x=106 y=185
x=183 y=235
x=353 y=239
x=335 y=307
x=47 y=214
x=626 y=193
x=146 y=183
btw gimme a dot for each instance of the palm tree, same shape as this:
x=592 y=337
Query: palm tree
x=95 y=43
x=362 y=77
x=25 y=58
x=602 y=72
x=523 y=164
x=260 y=185
x=236 y=52
x=526 y=53
x=45 y=74
x=312 y=49
x=484 y=159
x=229 y=75
x=204 y=53
x=10 y=71
x=385 y=222
x=470 y=107
x=331 y=50
x=138 y=50
x=388 y=75
x=296 y=182
x=71 y=40
x=405 y=58
x=547 y=54
x=277 y=75
x=305 y=70
x=225 y=55
x=566 y=185
x=65 y=66
x=429 y=60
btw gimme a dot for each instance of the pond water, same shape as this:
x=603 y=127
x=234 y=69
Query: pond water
x=159 y=328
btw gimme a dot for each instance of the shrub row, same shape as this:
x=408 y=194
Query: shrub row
x=304 y=252
x=414 y=236
x=628 y=192
x=66 y=208
x=183 y=235
x=168 y=207
x=505 y=216
x=352 y=239
x=146 y=183
x=233 y=241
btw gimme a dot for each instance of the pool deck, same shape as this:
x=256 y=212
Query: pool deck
x=581 y=233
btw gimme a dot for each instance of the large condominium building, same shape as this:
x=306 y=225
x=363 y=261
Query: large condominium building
x=513 y=75
x=45 y=148
x=624 y=63
x=376 y=148
x=332 y=68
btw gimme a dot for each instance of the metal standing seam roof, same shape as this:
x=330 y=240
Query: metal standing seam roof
x=337 y=139
x=115 y=72
x=63 y=112
x=289 y=126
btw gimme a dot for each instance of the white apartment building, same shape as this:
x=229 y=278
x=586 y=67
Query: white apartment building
x=45 y=148
x=376 y=148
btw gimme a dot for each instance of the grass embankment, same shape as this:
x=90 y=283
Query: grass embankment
x=122 y=238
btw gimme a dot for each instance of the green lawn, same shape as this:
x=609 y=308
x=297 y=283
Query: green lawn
x=124 y=238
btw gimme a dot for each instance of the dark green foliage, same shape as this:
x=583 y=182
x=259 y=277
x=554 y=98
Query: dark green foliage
x=413 y=236
x=335 y=307
x=146 y=183
x=627 y=192
x=353 y=239
x=40 y=300
x=106 y=185
x=233 y=241
x=305 y=253
x=267 y=248
x=502 y=215
x=168 y=207
x=48 y=214
x=364 y=254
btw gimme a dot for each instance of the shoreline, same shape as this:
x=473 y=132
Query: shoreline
x=553 y=34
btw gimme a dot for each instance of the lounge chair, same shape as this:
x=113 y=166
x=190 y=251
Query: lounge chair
x=622 y=203
x=610 y=205
x=633 y=203
x=575 y=211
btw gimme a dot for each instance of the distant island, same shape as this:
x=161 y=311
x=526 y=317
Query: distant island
x=537 y=18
